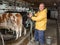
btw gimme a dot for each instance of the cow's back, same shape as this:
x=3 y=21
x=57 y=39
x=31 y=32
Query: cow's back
x=16 y=17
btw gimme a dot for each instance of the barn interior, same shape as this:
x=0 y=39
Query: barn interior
x=52 y=33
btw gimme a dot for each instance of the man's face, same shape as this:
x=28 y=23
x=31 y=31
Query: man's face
x=41 y=7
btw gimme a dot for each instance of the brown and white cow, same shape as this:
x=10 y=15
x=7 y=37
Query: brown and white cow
x=12 y=21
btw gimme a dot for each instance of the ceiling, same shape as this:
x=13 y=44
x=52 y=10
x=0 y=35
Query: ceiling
x=35 y=3
x=47 y=2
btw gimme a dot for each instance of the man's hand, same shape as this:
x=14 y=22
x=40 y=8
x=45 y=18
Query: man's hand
x=30 y=15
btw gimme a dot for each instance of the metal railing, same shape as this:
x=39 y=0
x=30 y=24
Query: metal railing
x=1 y=40
x=29 y=21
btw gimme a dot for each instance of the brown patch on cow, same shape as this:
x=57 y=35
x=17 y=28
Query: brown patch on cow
x=4 y=17
x=9 y=15
x=0 y=19
x=18 y=18
x=18 y=15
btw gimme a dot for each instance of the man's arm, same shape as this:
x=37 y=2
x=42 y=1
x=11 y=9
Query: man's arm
x=39 y=17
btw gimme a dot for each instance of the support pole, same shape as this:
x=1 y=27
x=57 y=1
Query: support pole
x=31 y=31
x=1 y=40
x=57 y=21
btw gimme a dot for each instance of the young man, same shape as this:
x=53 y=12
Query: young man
x=40 y=19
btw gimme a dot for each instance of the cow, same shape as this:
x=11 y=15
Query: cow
x=12 y=21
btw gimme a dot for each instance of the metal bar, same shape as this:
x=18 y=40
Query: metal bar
x=31 y=32
x=58 y=29
x=31 y=23
x=15 y=3
x=2 y=39
x=10 y=9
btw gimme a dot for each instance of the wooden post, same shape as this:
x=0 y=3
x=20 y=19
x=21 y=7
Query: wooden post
x=58 y=29
x=14 y=4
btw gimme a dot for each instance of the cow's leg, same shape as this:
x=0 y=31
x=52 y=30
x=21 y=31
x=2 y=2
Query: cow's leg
x=17 y=35
x=24 y=31
x=17 y=32
x=20 y=29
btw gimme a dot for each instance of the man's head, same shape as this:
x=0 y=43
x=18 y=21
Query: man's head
x=41 y=6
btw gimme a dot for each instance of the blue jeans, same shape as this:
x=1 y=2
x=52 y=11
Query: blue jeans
x=39 y=36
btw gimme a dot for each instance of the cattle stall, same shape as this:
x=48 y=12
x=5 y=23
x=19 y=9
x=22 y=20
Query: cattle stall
x=13 y=24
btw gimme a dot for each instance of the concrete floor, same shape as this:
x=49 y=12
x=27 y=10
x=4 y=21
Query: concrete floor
x=19 y=41
x=51 y=31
